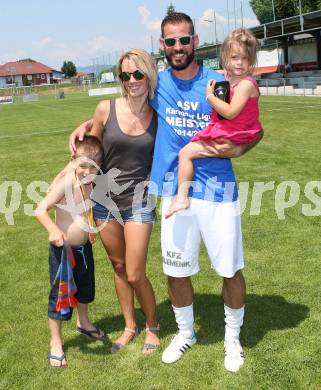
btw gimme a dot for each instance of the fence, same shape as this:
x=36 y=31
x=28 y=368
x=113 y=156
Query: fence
x=51 y=91
x=292 y=86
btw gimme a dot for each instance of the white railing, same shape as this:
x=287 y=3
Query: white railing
x=292 y=86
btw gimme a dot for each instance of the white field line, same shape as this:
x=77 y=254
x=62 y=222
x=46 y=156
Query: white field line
x=31 y=134
x=288 y=108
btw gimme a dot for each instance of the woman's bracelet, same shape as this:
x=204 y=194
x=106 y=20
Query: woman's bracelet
x=210 y=94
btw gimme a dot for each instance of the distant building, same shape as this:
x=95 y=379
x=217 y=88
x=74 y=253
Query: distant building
x=25 y=73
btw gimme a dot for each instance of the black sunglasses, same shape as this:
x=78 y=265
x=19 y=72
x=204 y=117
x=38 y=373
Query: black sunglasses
x=185 y=40
x=138 y=75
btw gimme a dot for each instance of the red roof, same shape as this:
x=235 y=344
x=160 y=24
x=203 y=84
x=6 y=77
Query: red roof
x=23 y=67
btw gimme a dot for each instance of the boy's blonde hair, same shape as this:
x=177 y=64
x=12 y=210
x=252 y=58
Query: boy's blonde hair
x=144 y=63
x=245 y=40
x=91 y=148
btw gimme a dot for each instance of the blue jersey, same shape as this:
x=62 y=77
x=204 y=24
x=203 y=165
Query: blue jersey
x=182 y=112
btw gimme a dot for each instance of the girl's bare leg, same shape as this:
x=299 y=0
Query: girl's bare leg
x=185 y=175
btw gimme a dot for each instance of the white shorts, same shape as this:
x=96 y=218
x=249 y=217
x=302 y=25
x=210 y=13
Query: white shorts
x=217 y=223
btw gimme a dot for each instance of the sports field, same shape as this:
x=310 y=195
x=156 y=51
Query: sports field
x=281 y=335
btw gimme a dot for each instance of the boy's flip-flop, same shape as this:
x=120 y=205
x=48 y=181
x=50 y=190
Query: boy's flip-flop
x=59 y=358
x=91 y=334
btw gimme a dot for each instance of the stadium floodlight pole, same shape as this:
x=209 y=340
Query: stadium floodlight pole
x=242 y=12
x=301 y=17
x=152 y=44
x=234 y=16
x=214 y=25
x=273 y=10
x=228 y=16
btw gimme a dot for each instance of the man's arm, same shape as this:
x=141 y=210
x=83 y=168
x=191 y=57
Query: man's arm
x=227 y=149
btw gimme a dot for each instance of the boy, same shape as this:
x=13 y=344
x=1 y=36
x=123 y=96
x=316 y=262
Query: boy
x=69 y=196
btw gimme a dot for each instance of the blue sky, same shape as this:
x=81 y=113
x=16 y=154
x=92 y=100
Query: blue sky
x=97 y=31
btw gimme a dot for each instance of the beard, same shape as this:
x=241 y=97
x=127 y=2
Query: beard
x=180 y=65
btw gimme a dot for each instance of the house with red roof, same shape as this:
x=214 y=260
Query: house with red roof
x=27 y=72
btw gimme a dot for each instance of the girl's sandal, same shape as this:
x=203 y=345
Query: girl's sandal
x=149 y=348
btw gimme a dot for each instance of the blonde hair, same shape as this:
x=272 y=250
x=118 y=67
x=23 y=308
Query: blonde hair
x=145 y=64
x=244 y=39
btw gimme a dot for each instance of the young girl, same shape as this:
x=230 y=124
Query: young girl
x=241 y=123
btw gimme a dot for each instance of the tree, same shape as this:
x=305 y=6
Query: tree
x=170 y=9
x=69 y=68
x=282 y=8
x=26 y=60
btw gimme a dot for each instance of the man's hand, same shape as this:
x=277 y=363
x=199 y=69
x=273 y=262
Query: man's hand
x=222 y=148
x=79 y=133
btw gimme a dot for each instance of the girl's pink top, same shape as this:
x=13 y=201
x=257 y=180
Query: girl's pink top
x=243 y=129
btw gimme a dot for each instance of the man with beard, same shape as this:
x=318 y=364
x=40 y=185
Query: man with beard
x=183 y=110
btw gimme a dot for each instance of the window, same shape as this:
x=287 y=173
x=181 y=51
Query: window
x=38 y=76
x=43 y=77
x=29 y=77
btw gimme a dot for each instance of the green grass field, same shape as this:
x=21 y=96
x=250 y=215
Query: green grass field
x=281 y=335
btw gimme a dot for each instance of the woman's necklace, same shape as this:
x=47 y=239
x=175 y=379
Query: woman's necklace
x=138 y=115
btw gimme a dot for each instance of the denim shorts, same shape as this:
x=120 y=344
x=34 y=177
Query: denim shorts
x=84 y=276
x=143 y=214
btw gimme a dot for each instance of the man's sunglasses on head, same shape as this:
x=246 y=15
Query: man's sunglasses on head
x=185 y=40
x=138 y=75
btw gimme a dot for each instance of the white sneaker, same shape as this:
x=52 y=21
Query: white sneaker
x=234 y=355
x=178 y=346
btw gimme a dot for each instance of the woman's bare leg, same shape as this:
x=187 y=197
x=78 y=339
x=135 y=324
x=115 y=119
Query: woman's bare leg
x=137 y=238
x=112 y=237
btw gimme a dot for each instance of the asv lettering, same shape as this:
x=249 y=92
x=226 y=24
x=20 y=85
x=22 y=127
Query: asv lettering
x=188 y=105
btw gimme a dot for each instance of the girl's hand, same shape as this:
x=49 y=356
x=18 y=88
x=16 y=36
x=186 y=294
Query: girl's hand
x=57 y=237
x=210 y=87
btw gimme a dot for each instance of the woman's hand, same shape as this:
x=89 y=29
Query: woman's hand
x=79 y=133
x=57 y=237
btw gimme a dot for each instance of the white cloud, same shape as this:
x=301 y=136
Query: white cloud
x=42 y=42
x=99 y=43
x=220 y=19
x=145 y=18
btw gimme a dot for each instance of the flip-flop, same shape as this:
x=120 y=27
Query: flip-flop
x=90 y=334
x=59 y=358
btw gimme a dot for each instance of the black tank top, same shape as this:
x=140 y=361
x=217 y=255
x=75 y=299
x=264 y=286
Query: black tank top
x=131 y=155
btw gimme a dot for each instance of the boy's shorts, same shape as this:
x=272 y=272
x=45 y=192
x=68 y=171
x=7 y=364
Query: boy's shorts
x=217 y=223
x=84 y=276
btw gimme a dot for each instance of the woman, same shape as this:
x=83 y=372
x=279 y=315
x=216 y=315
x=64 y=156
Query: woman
x=127 y=128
